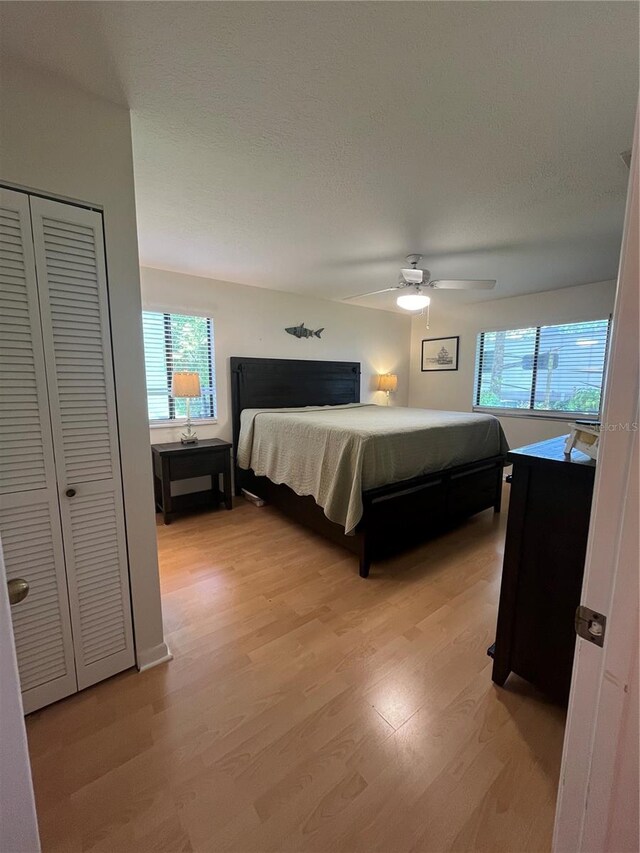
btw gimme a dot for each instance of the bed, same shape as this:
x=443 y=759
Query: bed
x=390 y=477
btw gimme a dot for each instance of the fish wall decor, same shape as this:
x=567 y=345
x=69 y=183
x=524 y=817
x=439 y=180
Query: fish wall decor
x=302 y=332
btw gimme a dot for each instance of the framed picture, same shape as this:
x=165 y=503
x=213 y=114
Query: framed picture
x=440 y=353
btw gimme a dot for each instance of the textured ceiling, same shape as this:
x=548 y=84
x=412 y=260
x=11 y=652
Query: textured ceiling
x=310 y=146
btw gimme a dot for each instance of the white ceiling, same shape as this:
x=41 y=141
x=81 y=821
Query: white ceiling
x=310 y=146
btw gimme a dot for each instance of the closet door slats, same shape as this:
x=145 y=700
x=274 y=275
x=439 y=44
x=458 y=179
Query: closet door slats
x=75 y=321
x=30 y=527
x=18 y=377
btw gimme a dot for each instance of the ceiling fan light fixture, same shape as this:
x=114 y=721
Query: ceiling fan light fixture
x=412 y=301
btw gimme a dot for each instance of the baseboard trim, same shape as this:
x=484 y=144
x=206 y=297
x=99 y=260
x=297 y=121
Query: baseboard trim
x=148 y=658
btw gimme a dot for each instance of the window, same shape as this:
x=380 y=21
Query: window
x=178 y=342
x=543 y=369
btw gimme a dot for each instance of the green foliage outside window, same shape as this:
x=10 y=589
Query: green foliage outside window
x=178 y=343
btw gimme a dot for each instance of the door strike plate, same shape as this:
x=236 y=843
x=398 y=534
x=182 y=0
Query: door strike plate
x=590 y=625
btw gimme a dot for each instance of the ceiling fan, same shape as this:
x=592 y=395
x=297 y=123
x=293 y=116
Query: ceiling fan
x=413 y=280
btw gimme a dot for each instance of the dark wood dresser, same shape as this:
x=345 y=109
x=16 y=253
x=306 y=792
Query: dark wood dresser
x=544 y=556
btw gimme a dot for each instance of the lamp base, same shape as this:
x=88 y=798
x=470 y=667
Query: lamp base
x=189 y=436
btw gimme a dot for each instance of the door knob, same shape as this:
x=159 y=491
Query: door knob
x=70 y=493
x=18 y=590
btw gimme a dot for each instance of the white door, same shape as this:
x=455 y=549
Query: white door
x=19 y=825
x=29 y=514
x=72 y=288
x=598 y=796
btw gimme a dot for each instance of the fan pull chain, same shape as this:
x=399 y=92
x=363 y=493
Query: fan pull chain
x=424 y=313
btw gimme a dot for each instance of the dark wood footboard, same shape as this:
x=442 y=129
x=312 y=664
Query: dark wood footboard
x=403 y=514
x=397 y=516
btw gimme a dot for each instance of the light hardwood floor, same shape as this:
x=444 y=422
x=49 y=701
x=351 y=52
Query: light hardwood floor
x=307 y=709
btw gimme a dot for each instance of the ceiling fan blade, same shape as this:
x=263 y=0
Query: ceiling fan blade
x=464 y=284
x=372 y=293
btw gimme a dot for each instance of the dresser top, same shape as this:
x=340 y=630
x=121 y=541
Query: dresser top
x=202 y=444
x=551 y=450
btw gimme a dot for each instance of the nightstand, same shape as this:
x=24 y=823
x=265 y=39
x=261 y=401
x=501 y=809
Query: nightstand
x=210 y=457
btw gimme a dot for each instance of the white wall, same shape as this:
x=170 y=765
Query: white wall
x=61 y=141
x=454 y=391
x=250 y=321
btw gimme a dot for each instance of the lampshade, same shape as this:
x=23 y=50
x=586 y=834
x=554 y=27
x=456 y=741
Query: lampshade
x=185 y=385
x=413 y=301
x=387 y=382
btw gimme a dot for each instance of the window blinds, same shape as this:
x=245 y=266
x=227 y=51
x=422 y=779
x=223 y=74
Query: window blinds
x=178 y=342
x=543 y=368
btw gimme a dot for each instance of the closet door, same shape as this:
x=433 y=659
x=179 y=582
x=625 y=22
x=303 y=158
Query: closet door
x=29 y=514
x=72 y=288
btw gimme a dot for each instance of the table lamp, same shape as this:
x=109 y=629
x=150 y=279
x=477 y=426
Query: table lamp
x=387 y=382
x=186 y=385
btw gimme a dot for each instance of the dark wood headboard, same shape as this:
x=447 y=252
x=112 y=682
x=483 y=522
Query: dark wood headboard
x=258 y=383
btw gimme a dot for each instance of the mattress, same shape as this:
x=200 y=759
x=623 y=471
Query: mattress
x=335 y=452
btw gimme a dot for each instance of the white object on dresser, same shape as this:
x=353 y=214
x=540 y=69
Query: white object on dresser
x=62 y=514
x=584 y=437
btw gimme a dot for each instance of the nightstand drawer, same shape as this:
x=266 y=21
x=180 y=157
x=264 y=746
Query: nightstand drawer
x=198 y=464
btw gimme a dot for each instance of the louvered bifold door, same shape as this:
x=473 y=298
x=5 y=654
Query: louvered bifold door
x=29 y=515
x=72 y=288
